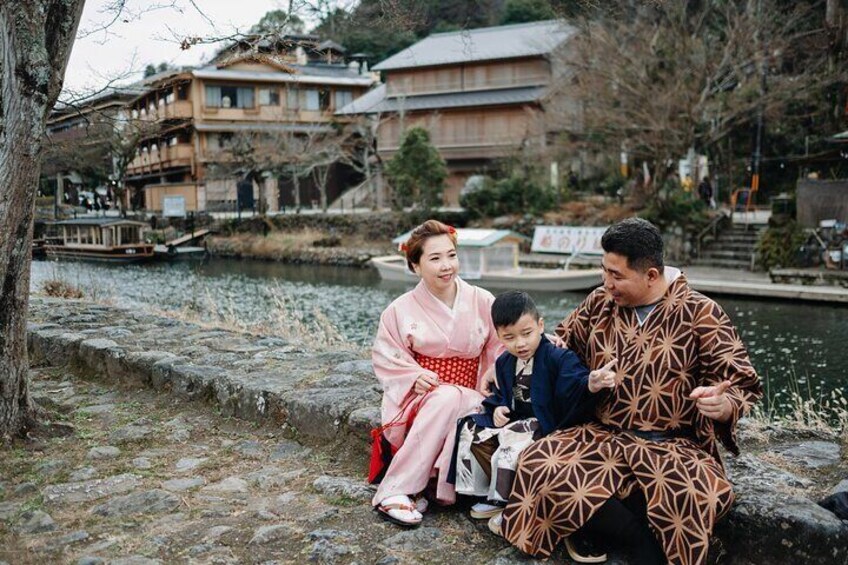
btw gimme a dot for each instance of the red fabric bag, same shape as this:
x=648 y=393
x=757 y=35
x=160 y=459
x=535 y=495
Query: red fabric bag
x=382 y=451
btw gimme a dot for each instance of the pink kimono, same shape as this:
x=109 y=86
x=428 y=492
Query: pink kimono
x=419 y=323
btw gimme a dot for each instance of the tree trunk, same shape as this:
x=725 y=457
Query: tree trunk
x=35 y=41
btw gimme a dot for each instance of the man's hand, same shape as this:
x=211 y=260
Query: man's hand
x=556 y=340
x=425 y=383
x=501 y=416
x=602 y=378
x=712 y=401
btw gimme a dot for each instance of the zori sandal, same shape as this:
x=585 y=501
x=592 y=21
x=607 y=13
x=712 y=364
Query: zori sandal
x=583 y=557
x=399 y=510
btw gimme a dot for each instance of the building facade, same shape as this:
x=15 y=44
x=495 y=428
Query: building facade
x=244 y=118
x=482 y=94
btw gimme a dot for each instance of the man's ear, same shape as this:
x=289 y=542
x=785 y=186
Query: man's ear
x=653 y=274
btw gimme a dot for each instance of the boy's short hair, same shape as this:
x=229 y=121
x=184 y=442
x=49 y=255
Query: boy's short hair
x=509 y=306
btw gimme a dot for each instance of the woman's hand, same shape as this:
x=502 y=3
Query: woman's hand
x=425 y=383
x=501 y=416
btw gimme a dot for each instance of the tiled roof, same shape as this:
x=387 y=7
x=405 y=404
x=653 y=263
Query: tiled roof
x=318 y=74
x=447 y=100
x=365 y=103
x=483 y=44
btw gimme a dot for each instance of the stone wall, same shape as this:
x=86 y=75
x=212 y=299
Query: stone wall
x=818 y=200
x=332 y=395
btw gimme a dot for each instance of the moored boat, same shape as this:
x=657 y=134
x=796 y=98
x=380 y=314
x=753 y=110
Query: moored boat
x=490 y=258
x=112 y=240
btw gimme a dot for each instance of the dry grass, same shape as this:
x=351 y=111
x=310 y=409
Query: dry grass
x=314 y=331
x=58 y=288
x=278 y=244
x=801 y=411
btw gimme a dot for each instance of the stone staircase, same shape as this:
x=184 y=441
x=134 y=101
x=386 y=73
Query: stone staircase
x=733 y=249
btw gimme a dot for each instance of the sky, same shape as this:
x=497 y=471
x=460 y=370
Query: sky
x=143 y=35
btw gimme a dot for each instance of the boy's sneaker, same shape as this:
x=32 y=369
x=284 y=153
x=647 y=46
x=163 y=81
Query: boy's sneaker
x=484 y=510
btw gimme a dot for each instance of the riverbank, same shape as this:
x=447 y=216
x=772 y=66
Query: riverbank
x=327 y=399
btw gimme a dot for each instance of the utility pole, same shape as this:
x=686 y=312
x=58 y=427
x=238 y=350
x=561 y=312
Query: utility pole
x=758 y=141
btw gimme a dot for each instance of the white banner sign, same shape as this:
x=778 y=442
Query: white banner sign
x=174 y=206
x=568 y=240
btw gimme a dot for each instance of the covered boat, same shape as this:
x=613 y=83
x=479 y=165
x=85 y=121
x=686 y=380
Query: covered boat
x=114 y=240
x=489 y=258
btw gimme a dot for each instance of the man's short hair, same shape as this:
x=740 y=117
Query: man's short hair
x=638 y=240
x=509 y=306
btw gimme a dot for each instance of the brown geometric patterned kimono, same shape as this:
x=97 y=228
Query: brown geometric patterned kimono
x=685 y=342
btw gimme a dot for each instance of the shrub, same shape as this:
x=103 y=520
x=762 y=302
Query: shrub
x=60 y=289
x=514 y=194
x=779 y=245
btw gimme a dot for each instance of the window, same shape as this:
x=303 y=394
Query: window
x=269 y=97
x=173 y=141
x=182 y=92
x=292 y=100
x=312 y=101
x=169 y=98
x=229 y=97
x=343 y=98
x=324 y=100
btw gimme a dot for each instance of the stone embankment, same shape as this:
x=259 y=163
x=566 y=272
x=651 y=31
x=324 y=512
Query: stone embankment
x=254 y=494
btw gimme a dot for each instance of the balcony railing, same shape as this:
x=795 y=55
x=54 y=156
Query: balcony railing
x=169 y=156
x=179 y=109
x=398 y=86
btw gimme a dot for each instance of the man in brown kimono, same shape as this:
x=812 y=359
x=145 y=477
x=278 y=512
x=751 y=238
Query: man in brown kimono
x=646 y=471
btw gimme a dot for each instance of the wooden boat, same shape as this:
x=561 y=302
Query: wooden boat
x=113 y=240
x=490 y=258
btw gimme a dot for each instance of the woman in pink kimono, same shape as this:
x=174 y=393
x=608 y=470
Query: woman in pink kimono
x=433 y=346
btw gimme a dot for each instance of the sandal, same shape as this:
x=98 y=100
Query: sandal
x=400 y=513
x=495 y=523
x=582 y=558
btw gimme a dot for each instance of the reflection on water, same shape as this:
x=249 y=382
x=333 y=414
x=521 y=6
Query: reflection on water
x=788 y=342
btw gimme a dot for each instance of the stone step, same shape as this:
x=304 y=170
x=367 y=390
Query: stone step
x=723 y=263
x=735 y=238
x=722 y=254
x=730 y=245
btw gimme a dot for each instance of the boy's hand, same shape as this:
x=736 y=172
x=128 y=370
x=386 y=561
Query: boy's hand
x=602 y=378
x=501 y=416
x=425 y=383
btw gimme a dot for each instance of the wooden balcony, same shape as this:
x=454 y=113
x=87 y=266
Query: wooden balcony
x=177 y=110
x=167 y=157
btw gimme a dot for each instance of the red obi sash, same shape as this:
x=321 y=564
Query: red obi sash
x=452 y=370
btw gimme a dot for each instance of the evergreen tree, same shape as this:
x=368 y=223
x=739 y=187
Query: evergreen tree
x=417 y=172
x=520 y=11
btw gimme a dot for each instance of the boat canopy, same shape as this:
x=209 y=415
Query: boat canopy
x=483 y=250
x=477 y=237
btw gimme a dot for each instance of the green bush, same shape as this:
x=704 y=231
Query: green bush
x=514 y=194
x=779 y=244
x=679 y=209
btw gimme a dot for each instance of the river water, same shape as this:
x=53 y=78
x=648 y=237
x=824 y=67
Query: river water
x=794 y=346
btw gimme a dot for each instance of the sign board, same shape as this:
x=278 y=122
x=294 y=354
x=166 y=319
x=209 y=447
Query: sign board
x=173 y=206
x=568 y=240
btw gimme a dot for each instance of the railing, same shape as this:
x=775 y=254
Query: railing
x=406 y=86
x=713 y=228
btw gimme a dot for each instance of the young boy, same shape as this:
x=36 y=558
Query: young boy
x=540 y=388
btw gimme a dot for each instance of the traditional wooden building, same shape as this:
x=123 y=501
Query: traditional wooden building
x=482 y=94
x=82 y=139
x=205 y=130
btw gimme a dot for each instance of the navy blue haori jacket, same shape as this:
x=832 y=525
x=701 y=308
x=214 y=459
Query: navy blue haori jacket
x=559 y=389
